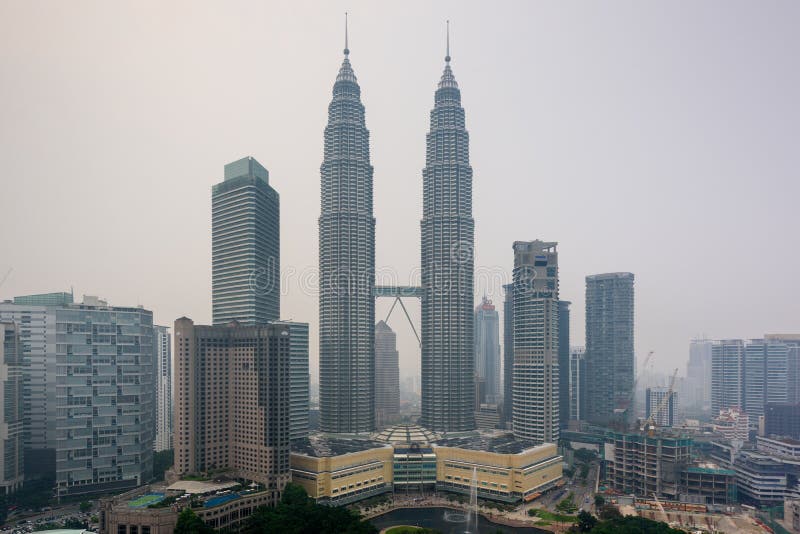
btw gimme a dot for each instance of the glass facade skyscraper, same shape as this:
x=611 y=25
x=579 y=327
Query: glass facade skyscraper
x=609 y=346
x=11 y=413
x=245 y=245
x=448 y=264
x=346 y=265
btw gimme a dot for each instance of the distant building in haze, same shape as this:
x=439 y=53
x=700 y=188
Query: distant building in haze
x=487 y=349
x=697 y=399
x=387 y=376
x=609 y=346
x=11 y=412
x=664 y=404
x=162 y=348
x=245 y=246
x=535 y=387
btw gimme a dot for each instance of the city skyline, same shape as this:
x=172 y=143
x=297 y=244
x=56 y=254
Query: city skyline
x=23 y=270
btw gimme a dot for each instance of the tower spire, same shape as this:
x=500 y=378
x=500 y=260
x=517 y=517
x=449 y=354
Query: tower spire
x=346 y=47
x=447 y=57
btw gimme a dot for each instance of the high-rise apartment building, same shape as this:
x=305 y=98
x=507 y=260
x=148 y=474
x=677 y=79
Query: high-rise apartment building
x=487 y=350
x=11 y=409
x=448 y=264
x=162 y=346
x=535 y=387
x=609 y=346
x=387 y=376
x=346 y=265
x=792 y=343
x=245 y=245
x=662 y=404
x=105 y=397
x=232 y=401
x=577 y=383
x=508 y=352
x=727 y=375
x=563 y=362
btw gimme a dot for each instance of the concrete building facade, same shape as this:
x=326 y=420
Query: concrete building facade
x=245 y=245
x=609 y=346
x=664 y=403
x=346 y=265
x=536 y=373
x=162 y=346
x=563 y=363
x=232 y=401
x=577 y=383
x=105 y=397
x=448 y=265
x=508 y=353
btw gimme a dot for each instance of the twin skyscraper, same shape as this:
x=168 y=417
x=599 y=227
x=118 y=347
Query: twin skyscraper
x=347 y=265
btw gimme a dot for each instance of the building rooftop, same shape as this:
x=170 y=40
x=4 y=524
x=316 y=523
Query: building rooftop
x=406 y=434
x=500 y=444
x=201 y=487
x=319 y=446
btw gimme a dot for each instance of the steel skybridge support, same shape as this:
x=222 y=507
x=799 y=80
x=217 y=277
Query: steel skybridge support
x=398 y=292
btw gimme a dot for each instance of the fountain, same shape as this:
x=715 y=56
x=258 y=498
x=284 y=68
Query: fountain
x=473 y=502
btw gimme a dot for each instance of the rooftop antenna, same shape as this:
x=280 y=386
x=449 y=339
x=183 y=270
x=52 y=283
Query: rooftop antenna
x=346 y=48
x=447 y=57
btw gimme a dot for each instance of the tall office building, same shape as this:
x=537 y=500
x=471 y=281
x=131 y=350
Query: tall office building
x=232 y=401
x=299 y=389
x=11 y=412
x=448 y=239
x=36 y=315
x=663 y=405
x=346 y=265
x=535 y=388
x=609 y=346
x=387 y=376
x=162 y=346
x=105 y=401
x=698 y=377
x=487 y=350
x=508 y=351
x=563 y=362
x=577 y=383
x=727 y=375
x=245 y=245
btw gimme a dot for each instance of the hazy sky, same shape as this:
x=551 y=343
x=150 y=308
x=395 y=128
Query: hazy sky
x=661 y=138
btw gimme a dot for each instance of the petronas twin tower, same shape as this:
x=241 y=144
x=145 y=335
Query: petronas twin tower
x=347 y=266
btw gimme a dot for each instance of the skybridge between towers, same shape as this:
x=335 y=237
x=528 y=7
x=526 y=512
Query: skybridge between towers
x=398 y=293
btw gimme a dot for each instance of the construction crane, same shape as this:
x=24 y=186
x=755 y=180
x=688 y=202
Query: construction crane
x=650 y=423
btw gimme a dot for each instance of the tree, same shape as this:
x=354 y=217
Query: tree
x=609 y=512
x=85 y=506
x=599 y=500
x=586 y=521
x=189 y=523
x=162 y=461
